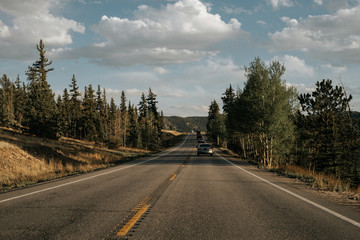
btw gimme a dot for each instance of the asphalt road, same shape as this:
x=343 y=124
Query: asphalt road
x=174 y=195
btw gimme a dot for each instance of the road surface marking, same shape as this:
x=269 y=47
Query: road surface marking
x=125 y=229
x=94 y=176
x=357 y=224
x=173 y=177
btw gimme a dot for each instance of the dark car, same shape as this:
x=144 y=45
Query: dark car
x=205 y=148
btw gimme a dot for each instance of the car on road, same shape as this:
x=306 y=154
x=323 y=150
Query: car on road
x=205 y=148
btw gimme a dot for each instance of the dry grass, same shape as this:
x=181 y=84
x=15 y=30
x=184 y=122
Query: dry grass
x=175 y=133
x=27 y=159
x=319 y=181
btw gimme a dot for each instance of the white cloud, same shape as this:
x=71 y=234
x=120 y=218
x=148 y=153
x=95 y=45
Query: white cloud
x=318 y=2
x=236 y=10
x=30 y=22
x=178 y=32
x=335 y=68
x=330 y=37
x=133 y=92
x=295 y=68
x=276 y=4
x=160 y=70
x=261 y=22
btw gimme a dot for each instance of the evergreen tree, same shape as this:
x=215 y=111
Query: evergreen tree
x=75 y=109
x=7 y=117
x=112 y=117
x=63 y=112
x=102 y=114
x=124 y=116
x=215 y=124
x=143 y=107
x=19 y=101
x=41 y=105
x=89 y=114
x=151 y=103
x=329 y=139
x=134 y=131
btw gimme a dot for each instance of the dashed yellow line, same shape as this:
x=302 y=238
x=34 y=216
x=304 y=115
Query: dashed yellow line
x=125 y=229
x=173 y=177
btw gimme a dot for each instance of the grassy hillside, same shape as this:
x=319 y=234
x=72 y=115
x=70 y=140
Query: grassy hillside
x=26 y=159
x=186 y=124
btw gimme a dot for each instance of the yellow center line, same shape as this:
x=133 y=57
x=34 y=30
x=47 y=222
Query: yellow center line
x=125 y=229
x=173 y=177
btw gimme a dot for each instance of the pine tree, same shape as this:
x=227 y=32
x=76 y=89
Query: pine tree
x=63 y=112
x=89 y=114
x=328 y=136
x=112 y=117
x=151 y=103
x=7 y=117
x=134 y=131
x=124 y=116
x=19 y=101
x=41 y=105
x=102 y=114
x=75 y=109
x=215 y=124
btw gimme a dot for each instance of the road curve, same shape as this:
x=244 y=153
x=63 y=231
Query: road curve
x=174 y=195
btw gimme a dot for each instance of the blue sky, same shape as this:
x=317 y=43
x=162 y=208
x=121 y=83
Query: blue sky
x=187 y=51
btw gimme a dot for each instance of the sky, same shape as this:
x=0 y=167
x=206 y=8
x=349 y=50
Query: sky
x=187 y=51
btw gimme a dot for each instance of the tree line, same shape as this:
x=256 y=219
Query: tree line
x=269 y=122
x=32 y=107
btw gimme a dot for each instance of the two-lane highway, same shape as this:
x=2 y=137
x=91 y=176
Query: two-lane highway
x=174 y=195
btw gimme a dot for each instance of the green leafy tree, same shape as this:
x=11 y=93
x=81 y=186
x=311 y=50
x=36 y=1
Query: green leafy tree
x=261 y=116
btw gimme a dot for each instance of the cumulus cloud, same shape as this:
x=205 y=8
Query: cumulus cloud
x=178 y=32
x=295 y=68
x=160 y=70
x=276 y=4
x=30 y=21
x=329 y=37
x=261 y=22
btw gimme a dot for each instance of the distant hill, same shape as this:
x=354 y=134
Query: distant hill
x=186 y=124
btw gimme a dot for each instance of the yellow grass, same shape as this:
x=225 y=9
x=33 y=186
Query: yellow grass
x=27 y=159
x=175 y=133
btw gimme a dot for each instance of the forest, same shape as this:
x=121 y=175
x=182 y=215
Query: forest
x=31 y=107
x=270 y=123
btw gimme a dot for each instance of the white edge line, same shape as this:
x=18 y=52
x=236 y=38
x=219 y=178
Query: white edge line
x=94 y=176
x=357 y=224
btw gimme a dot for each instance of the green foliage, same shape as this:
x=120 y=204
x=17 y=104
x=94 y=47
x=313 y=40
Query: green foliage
x=259 y=119
x=7 y=117
x=328 y=136
x=40 y=114
x=215 y=124
x=32 y=107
